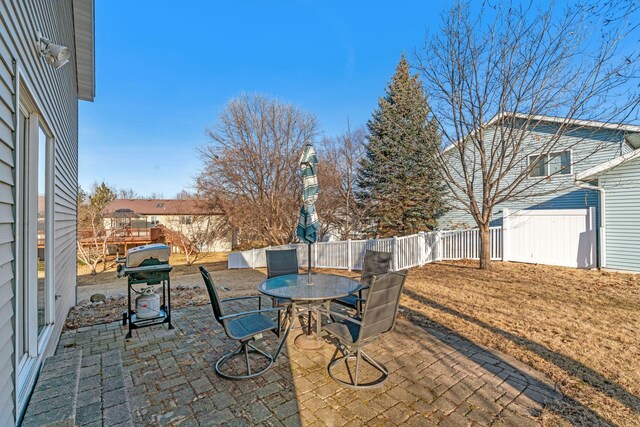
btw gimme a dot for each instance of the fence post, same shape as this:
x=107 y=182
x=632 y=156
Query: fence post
x=437 y=246
x=421 y=249
x=506 y=241
x=394 y=254
x=349 y=254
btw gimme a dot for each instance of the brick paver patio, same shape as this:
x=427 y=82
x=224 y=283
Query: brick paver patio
x=436 y=379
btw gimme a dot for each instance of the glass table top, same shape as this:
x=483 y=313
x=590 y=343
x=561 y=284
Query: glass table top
x=296 y=287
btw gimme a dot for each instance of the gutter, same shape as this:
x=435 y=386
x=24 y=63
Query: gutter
x=602 y=233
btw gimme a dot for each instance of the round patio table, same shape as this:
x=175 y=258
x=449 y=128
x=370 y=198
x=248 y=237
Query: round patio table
x=321 y=289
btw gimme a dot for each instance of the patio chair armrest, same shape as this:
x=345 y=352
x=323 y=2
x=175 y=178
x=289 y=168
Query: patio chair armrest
x=249 y=313
x=340 y=315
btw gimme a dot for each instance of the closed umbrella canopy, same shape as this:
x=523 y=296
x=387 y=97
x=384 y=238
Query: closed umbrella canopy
x=308 y=225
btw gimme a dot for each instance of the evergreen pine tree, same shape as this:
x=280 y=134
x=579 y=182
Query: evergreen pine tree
x=400 y=190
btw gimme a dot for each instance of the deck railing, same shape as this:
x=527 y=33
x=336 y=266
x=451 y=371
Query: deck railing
x=408 y=251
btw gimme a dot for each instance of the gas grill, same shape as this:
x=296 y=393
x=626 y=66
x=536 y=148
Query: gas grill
x=147 y=271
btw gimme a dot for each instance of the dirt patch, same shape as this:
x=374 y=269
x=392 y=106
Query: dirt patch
x=187 y=289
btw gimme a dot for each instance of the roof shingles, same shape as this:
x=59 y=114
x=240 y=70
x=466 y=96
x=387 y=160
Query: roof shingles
x=163 y=207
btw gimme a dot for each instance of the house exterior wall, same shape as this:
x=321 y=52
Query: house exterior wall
x=588 y=148
x=172 y=222
x=622 y=216
x=55 y=96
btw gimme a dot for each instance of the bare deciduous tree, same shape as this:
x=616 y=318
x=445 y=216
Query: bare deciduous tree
x=251 y=164
x=576 y=63
x=341 y=156
x=127 y=193
x=92 y=234
x=194 y=234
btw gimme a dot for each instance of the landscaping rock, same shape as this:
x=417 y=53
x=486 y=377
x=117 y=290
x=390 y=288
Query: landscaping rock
x=98 y=297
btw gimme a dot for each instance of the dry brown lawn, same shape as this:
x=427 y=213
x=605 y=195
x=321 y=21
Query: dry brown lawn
x=581 y=328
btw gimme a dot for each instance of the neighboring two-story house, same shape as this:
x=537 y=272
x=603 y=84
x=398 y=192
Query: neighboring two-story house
x=618 y=182
x=46 y=66
x=191 y=218
x=566 y=177
x=583 y=145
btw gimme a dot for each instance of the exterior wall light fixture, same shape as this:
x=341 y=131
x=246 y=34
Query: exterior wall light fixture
x=55 y=54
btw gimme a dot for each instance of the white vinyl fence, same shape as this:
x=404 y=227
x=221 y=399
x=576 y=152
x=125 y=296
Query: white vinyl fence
x=408 y=251
x=565 y=237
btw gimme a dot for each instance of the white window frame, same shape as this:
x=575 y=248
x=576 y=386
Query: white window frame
x=546 y=164
x=26 y=215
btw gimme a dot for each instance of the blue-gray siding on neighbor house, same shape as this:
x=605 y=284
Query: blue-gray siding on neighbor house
x=588 y=147
x=622 y=216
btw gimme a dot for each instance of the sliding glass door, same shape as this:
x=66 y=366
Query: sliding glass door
x=35 y=295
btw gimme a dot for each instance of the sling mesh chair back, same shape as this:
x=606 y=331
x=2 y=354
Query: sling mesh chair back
x=279 y=263
x=242 y=327
x=375 y=263
x=353 y=333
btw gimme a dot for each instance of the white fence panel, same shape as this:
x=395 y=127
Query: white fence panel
x=564 y=237
x=408 y=251
x=332 y=254
x=465 y=244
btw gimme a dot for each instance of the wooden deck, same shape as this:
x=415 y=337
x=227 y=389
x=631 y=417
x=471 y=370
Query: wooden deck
x=131 y=237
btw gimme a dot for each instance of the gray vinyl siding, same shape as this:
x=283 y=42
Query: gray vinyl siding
x=55 y=92
x=588 y=147
x=622 y=219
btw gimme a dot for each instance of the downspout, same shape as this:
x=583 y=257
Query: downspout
x=602 y=233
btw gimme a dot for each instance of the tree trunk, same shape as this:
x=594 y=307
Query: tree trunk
x=485 y=247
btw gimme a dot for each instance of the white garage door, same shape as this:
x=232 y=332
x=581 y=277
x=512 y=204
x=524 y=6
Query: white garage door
x=565 y=237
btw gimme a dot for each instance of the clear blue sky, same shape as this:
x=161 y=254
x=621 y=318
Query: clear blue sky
x=165 y=69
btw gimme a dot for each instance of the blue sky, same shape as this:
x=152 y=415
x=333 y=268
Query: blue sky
x=164 y=73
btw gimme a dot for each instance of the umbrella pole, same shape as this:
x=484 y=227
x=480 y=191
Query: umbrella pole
x=309 y=264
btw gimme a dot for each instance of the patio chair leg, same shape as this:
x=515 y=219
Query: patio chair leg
x=375 y=364
x=286 y=333
x=279 y=330
x=246 y=358
x=246 y=348
x=358 y=356
x=354 y=382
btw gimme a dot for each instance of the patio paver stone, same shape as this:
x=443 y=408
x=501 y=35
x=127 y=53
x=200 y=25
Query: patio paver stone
x=162 y=377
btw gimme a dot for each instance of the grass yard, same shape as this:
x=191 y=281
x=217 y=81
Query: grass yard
x=581 y=328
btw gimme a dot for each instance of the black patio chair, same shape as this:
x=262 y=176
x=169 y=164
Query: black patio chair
x=242 y=327
x=375 y=263
x=353 y=333
x=279 y=263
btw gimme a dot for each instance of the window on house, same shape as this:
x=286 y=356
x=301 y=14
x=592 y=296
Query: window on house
x=159 y=205
x=186 y=219
x=550 y=164
x=539 y=168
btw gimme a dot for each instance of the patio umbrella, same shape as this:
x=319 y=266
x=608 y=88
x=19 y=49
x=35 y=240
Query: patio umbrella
x=307 y=229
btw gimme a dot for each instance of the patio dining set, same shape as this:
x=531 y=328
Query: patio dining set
x=369 y=309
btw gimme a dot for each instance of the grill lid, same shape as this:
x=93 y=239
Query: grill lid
x=139 y=254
